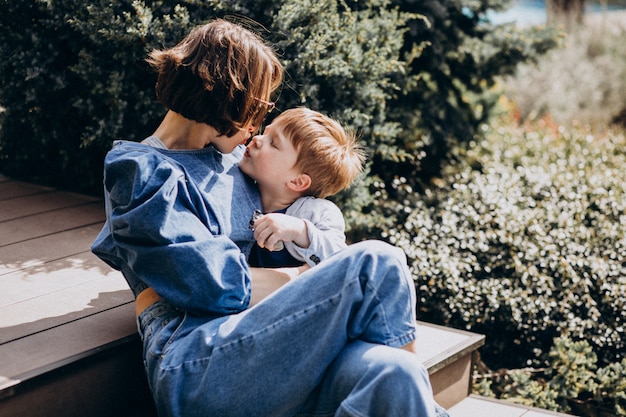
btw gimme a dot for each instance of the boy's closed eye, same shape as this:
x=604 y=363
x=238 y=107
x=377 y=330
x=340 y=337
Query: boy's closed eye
x=272 y=141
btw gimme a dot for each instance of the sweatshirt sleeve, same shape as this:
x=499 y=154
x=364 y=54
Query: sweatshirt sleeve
x=159 y=231
x=325 y=226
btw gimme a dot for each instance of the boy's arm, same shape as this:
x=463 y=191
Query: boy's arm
x=312 y=229
x=325 y=228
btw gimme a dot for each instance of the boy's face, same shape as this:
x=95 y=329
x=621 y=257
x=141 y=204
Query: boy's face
x=270 y=158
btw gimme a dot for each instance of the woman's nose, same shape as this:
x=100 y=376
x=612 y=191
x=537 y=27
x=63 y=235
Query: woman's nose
x=247 y=137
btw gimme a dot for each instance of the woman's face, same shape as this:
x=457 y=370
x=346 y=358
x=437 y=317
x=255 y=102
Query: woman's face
x=227 y=144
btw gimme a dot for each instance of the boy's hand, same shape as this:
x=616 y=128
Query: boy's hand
x=273 y=228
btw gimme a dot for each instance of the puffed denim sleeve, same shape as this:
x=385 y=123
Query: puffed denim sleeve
x=161 y=232
x=325 y=226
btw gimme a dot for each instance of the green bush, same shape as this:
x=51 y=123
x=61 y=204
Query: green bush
x=453 y=58
x=525 y=242
x=463 y=57
x=572 y=382
x=69 y=89
x=76 y=79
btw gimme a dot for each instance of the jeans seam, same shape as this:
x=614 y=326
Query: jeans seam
x=347 y=410
x=298 y=314
x=382 y=310
x=391 y=339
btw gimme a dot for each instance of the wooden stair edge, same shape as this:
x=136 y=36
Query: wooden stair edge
x=43 y=352
x=8 y=385
x=490 y=405
x=455 y=347
x=470 y=343
x=445 y=357
x=448 y=355
x=108 y=382
x=19 y=392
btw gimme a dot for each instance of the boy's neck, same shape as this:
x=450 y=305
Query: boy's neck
x=274 y=200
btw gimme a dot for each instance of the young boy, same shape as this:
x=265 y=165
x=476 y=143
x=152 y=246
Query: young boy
x=299 y=160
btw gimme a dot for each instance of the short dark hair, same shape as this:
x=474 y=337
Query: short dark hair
x=220 y=74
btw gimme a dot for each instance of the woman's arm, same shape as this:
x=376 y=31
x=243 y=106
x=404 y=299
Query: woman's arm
x=157 y=233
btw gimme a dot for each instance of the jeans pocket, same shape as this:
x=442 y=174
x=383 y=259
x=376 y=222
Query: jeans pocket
x=161 y=330
x=175 y=325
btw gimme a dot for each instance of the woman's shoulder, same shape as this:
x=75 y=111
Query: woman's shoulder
x=131 y=167
x=126 y=157
x=126 y=149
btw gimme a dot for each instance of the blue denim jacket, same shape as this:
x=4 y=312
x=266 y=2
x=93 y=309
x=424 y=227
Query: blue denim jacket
x=177 y=221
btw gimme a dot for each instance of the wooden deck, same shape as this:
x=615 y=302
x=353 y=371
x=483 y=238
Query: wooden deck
x=59 y=304
x=50 y=280
x=476 y=406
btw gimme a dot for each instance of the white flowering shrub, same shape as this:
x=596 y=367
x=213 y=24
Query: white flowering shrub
x=526 y=242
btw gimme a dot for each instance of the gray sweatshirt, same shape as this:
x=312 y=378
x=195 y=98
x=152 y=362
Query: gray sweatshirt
x=325 y=226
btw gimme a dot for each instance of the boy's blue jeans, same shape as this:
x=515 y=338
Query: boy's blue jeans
x=323 y=345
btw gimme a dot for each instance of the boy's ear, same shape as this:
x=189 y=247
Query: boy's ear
x=300 y=183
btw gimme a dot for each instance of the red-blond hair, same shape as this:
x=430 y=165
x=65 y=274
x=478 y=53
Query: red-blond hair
x=326 y=152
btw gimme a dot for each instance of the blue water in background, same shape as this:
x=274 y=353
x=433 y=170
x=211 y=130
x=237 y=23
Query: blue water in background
x=533 y=12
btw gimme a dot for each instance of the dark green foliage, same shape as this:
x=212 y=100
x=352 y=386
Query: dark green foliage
x=464 y=57
x=36 y=91
x=72 y=85
x=75 y=80
x=571 y=382
x=453 y=58
x=411 y=87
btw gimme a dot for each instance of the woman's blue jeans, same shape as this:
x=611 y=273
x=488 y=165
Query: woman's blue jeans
x=323 y=345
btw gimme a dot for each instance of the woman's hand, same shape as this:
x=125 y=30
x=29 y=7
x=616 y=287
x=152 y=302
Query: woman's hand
x=267 y=280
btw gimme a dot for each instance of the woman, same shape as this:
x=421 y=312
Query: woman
x=324 y=343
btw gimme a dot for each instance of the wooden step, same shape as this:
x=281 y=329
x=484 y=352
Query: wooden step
x=477 y=406
x=68 y=341
x=448 y=355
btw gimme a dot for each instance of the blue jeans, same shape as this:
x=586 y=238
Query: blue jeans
x=323 y=345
